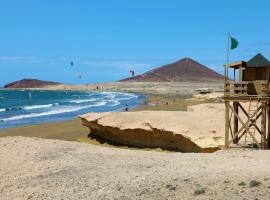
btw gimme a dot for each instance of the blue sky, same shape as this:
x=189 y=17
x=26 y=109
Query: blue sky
x=105 y=39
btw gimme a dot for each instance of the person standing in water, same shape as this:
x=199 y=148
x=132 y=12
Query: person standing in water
x=29 y=96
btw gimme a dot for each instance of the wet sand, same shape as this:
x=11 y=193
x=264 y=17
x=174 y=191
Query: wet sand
x=70 y=130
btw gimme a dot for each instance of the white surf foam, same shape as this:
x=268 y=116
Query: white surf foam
x=101 y=103
x=53 y=112
x=113 y=103
x=110 y=95
x=82 y=101
x=2 y=110
x=37 y=106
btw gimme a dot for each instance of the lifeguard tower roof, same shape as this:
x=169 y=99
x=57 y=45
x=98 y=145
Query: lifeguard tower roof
x=258 y=61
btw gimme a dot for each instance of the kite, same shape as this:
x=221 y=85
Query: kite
x=132 y=72
x=79 y=76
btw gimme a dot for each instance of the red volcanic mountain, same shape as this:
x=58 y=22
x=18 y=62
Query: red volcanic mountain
x=30 y=83
x=185 y=69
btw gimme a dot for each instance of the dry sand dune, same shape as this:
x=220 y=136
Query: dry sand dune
x=32 y=168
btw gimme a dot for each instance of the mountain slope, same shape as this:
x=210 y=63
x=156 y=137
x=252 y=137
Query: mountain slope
x=185 y=69
x=30 y=83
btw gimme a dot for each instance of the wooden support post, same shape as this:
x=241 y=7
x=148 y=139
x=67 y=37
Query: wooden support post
x=240 y=73
x=263 y=126
x=268 y=122
x=244 y=125
x=227 y=125
x=235 y=121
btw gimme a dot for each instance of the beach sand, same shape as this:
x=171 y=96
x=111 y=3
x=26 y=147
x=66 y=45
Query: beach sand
x=68 y=130
x=33 y=168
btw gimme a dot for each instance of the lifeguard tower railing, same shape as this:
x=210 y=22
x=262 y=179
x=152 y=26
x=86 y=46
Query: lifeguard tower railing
x=258 y=88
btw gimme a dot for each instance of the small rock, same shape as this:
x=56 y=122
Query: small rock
x=226 y=181
x=242 y=183
x=254 y=183
x=171 y=187
x=199 y=191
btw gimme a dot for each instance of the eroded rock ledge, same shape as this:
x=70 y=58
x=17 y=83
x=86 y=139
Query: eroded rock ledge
x=199 y=130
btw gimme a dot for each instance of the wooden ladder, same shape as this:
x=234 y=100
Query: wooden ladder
x=251 y=125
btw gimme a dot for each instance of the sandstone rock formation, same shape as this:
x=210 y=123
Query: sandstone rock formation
x=199 y=130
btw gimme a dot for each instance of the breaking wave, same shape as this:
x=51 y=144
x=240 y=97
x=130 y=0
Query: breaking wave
x=47 y=106
x=82 y=101
x=52 y=112
x=40 y=106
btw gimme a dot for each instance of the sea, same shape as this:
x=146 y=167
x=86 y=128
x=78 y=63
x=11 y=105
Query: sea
x=27 y=107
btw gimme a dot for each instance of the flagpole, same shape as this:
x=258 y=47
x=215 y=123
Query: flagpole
x=226 y=66
x=228 y=54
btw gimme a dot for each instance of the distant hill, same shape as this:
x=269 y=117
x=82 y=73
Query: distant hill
x=185 y=69
x=30 y=83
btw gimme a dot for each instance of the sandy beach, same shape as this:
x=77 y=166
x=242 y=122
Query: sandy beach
x=135 y=100
x=48 y=167
x=51 y=169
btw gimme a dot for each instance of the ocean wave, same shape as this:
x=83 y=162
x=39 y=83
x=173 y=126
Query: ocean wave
x=40 y=106
x=13 y=108
x=117 y=95
x=101 y=103
x=82 y=100
x=127 y=98
x=29 y=107
x=110 y=95
x=113 y=103
x=52 y=112
x=131 y=95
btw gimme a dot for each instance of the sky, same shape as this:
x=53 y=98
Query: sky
x=106 y=38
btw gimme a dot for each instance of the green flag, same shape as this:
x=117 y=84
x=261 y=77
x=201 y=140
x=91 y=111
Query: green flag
x=234 y=43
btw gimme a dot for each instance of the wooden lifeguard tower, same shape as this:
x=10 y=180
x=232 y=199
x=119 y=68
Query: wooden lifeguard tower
x=247 y=103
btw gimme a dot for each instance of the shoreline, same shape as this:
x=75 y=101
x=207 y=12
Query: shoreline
x=159 y=97
x=73 y=130
x=69 y=104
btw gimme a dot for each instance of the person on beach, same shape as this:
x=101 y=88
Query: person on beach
x=126 y=108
